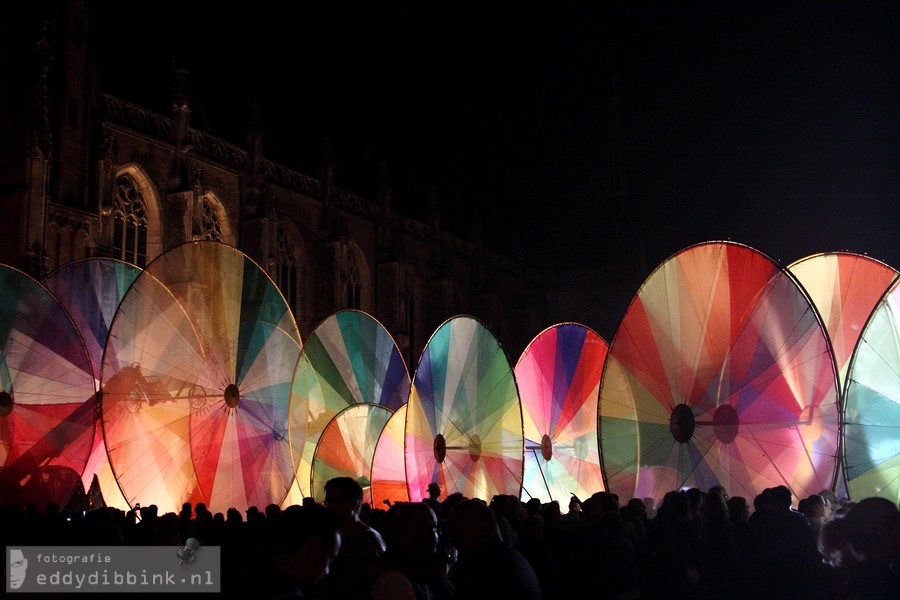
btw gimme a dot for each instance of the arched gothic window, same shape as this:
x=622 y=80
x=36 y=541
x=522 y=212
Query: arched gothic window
x=130 y=222
x=351 y=282
x=354 y=284
x=211 y=227
x=286 y=270
x=407 y=317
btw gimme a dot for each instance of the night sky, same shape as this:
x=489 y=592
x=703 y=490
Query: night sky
x=773 y=126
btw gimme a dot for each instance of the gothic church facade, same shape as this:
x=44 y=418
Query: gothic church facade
x=86 y=174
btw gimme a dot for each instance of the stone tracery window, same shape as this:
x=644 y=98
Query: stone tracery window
x=286 y=270
x=211 y=227
x=130 y=222
x=351 y=281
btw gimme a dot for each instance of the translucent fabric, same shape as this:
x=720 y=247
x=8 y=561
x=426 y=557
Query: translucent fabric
x=388 y=473
x=350 y=358
x=872 y=415
x=558 y=377
x=845 y=288
x=346 y=448
x=91 y=290
x=720 y=373
x=464 y=419
x=196 y=382
x=47 y=394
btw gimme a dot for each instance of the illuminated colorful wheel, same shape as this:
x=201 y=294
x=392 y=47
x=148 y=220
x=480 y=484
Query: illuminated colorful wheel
x=346 y=448
x=721 y=372
x=47 y=394
x=558 y=377
x=91 y=290
x=350 y=358
x=845 y=288
x=196 y=379
x=872 y=415
x=464 y=418
x=388 y=472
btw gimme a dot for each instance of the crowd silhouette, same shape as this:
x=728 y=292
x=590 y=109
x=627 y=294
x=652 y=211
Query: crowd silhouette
x=691 y=544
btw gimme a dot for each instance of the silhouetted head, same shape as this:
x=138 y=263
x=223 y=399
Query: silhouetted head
x=413 y=531
x=471 y=526
x=781 y=497
x=307 y=542
x=233 y=515
x=637 y=508
x=873 y=529
x=867 y=531
x=343 y=496
x=434 y=490
x=738 y=509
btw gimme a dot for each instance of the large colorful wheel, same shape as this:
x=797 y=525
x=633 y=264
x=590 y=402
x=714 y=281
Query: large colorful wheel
x=47 y=394
x=872 y=416
x=196 y=377
x=346 y=448
x=720 y=372
x=464 y=418
x=558 y=376
x=388 y=471
x=350 y=358
x=91 y=290
x=845 y=288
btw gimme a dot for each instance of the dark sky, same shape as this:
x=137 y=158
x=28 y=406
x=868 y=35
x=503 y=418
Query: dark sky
x=774 y=126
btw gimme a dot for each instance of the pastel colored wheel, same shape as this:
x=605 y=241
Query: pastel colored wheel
x=346 y=448
x=91 y=290
x=47 y=394
x=464 y=418
x=196 y=382
x=350 y=358
x=558 y=376
x=720 y=373
x=872 y=415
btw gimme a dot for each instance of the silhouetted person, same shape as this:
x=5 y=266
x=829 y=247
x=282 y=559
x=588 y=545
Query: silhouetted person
x=638 y=509
x=575 y=507
x=273 y=511
x=634 y=515
x=434 y=497
x=717 y=545
x=252 y=512
x=411 y=567
x=487 y=568
x=361 y=545
x=785 y=543
x=533 y=506
x=674 y=546
x=745 y=555
x=506 y=509
x=695 y=497
x=831 y=502
x=614 y=565
x=719 y=489
x=533 y=546
x=299 y=558
x=143 y=532
x=814 y=509
x=865 y=544
x=184 y=521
